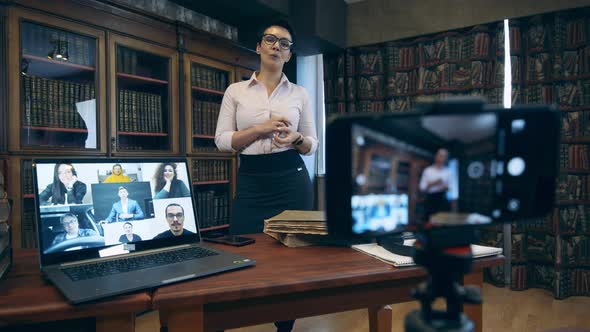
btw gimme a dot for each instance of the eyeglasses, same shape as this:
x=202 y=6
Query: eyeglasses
x=270 y=39
x=68 y=223
x=177 y=215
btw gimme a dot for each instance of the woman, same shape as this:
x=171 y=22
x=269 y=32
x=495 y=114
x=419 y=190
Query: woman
x=167 y=183
x=65 y=188
x=269 y=121
x=117 y=175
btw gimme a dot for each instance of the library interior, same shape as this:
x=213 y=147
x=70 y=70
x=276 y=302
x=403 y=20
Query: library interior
x=126 y=125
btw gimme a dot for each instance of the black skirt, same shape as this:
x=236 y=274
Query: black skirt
x=436 y=202
x=267 y=185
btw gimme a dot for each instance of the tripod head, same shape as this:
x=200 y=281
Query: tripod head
x=447 y=259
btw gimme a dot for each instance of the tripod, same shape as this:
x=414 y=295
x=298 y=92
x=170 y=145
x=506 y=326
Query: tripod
x=447 y=260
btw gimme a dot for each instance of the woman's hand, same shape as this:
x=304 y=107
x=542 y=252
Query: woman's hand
x=285 y=136
x=168 y=177
x=70 y=185
x=272 y=126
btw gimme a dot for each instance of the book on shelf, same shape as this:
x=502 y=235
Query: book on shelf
x=400 y=56
x=29 y=229
x=140 y=112
x=573 y=219
x=211 y=170
x=209 y=78
x=213 y=208
x=369 y=60
x=574 y=156
x=572 y=187
x=51 y=103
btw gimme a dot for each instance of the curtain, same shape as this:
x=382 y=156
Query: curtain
x=553 y=56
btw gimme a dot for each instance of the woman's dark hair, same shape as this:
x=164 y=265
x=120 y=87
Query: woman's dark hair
x=58 y=190
x=278 y=23
x=159 y=176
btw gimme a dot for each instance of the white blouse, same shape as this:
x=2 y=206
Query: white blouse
x=433 y=173
x=246 y=104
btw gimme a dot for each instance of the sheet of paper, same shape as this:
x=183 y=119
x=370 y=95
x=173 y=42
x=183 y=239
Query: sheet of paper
x=87 y=110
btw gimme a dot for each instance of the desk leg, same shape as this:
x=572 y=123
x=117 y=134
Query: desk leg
x=380 y=319
x=183 y=319
x=475 y=311
x=123 y=322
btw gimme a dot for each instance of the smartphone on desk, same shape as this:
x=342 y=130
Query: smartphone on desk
x=232 y=240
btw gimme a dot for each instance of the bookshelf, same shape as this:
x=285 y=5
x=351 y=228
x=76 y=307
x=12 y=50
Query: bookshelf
x=397 y=75
x=144 y=113
x=212 y=171
x=213 y=189
x=553 y=67
x=58 y=65
x=205 y=81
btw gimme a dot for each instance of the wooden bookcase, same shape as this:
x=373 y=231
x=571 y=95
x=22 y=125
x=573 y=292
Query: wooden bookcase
x=123 y=70
x=57 y=84
x=205 y=82
x=213 y=188
x=144 y=113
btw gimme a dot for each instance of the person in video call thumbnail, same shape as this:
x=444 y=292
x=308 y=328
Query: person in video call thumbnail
x=72 y=229
x=167 y=183
x=117 y=175
x=175 y=219
x=129 y=236
x=65 y=188
x=125 y=209
x=435 y=183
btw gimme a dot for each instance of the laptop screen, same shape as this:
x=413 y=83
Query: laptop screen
x=91 y=208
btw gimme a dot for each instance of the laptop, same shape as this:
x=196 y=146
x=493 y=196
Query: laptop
x=112 y=226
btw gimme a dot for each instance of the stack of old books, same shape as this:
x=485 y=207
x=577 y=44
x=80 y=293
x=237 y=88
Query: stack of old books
x=296 y=228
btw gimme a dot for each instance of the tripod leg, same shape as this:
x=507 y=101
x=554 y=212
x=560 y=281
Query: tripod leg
x=380 y=319
x=474 y=311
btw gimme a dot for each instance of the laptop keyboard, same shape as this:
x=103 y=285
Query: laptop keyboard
x=101 y=269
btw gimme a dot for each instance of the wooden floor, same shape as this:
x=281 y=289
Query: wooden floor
x=503 y=310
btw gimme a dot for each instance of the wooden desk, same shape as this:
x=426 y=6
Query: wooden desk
x=289 y=283
x=28 y=298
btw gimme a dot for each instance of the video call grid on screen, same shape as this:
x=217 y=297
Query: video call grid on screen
x=100 y=199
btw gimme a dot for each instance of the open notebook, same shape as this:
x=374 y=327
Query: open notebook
x=375 y=250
